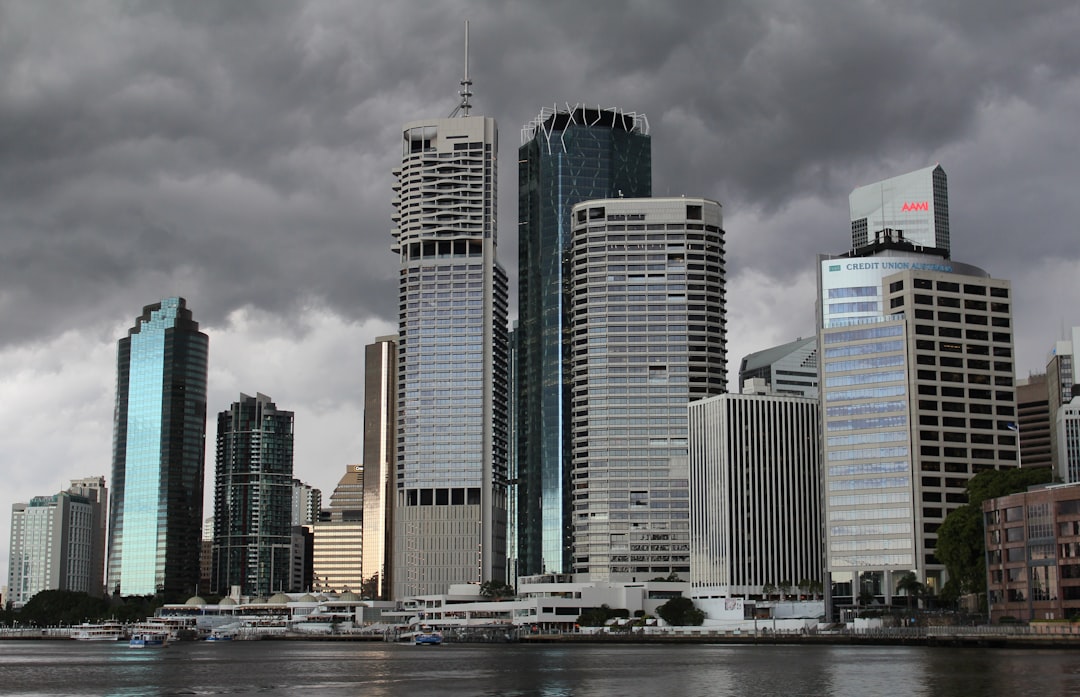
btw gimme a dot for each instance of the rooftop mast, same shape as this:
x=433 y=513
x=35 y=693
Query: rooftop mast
x=464 y=106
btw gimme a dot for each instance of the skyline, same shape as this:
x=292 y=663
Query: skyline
x=241 y=157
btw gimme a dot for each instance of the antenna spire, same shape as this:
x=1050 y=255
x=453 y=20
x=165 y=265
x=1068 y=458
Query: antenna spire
x=465 y=93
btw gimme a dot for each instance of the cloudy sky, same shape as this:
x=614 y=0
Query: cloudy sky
x=239 y=154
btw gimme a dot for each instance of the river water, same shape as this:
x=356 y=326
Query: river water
x=271 y=668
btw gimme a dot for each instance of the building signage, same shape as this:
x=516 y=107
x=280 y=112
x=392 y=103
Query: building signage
x=916 y=206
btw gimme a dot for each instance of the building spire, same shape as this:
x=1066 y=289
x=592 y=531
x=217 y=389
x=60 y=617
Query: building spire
x=464 y=106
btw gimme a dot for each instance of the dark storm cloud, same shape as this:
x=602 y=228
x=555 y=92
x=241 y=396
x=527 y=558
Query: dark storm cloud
x=240 y=153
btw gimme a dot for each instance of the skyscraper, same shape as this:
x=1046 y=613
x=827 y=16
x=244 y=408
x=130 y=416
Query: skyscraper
x=566 y=156
x=790 y=368
x=912 y=206
x=647 y=335
x=155 y=514
x=917 y=398
x=253 y=491
x=339 y=541
x=451 y=459
x=380 y=417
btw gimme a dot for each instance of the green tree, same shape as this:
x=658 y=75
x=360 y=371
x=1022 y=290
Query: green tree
x=961 y=544
x=497 y=590
x=681 y=612
x=598 y=616
x=63 y=607
x=910 y=585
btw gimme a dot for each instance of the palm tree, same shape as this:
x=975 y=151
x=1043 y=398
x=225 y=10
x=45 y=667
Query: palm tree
x=911 y=587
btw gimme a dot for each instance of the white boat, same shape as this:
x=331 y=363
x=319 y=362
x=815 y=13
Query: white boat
x=143 y=640
x=108 y=631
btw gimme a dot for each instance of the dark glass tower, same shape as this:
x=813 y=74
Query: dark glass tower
x=155 y=516
x=567 y=156
x=253 y=498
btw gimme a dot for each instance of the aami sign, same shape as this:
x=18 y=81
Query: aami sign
x=916 y=206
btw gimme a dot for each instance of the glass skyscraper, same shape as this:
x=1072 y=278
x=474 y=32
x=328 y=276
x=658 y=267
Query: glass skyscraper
x=566 y=156
x=450 y=473
x=380 y=395
x=253 y=489
x=159 y=432
x=647 y=335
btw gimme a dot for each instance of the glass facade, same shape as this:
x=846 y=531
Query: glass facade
x=566 y=157
x=450 y=472
x=155 y=517
x=916 y=399
x=253 y=498
x=647 y=336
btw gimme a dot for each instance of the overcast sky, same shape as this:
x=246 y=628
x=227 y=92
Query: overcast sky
x=239 y=154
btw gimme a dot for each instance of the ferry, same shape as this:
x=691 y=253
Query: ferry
x=427 y=636
x=143 y=640
x=109 y=631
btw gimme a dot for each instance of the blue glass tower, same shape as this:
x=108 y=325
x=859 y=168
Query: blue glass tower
x=567 y=156
x=159 y=429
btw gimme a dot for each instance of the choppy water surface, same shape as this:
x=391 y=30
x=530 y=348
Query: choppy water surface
x=384 y=670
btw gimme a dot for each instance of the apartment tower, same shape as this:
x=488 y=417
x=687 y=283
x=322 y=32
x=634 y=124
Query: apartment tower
x=253 y=498
x=647 y=335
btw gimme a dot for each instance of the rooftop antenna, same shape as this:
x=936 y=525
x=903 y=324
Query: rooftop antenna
x=465 y=92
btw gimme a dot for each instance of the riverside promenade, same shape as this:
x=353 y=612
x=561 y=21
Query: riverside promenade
x=991 y=636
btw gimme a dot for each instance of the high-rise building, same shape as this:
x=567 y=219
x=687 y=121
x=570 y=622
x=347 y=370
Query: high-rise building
x=1061 y=376
x=94 y=489
x=790 y=368
x=647 y=335
x=449 y=511
x=380 y=432
x=566 y=156
x=253 y=497
x=912 y=206
x=338 y=546
x=917 y=397
x=755 y=490
x=306 y=503
x=55 y=543
x=159 y=433
x=1033 y=421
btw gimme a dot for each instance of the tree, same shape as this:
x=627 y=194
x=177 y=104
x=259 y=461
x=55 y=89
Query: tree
x=961 y=543
x=599 y=616
x=681 y=612
x=911 y=587
x=497 y=590
x=369 y=587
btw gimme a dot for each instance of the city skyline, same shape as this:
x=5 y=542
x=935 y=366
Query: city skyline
x=268 y=208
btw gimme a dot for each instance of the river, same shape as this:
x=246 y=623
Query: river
x=272 y=668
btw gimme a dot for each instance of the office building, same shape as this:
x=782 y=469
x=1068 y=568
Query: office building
x=912 y=206
x=1033 y=554
x=159 y=433
x=647 y=336
x=790 y=368
x=1067 y=428
x=380 y=431
x=94 y=489
x=338 y=545
x=755 y=493
x=567 y=156
x=1033 y=421
x=1060 y=378
x=55 y=543
x=917 y=397
x=449 y=508
x=253 y=497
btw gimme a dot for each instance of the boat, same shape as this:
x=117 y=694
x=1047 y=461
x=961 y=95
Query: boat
x=142 y=640
x=108 y=631
x=221 y=635
x=427 y=636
